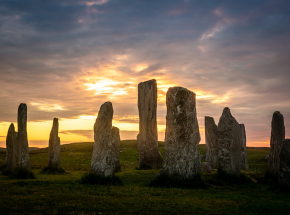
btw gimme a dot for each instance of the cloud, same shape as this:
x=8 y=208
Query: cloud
x=52 y=53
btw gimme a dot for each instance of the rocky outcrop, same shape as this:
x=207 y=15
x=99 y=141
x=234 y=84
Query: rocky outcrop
x=211 y=142
x=205 y=167
x=244 y=158
x=23 y=150
x=284 y=164
x=229 y=137
x=182 y=158
x=54 y=150
x=105 y=157
x=147 y=139
x=11 y=148
x=277 y=136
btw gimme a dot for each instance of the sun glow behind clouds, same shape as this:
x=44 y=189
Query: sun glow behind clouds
x=47 y=107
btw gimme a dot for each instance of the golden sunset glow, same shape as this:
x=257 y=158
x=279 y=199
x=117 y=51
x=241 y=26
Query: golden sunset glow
x=47 y=107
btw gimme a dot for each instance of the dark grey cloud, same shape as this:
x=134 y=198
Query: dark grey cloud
x=235 y=48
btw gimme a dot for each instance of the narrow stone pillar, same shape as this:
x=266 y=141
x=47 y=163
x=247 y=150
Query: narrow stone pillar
x=244 y=158
x=23 y=150
x=54 y=160
x=147 y=139
x=182 y=135
x=105 y=157
x=230 y=146
x=284 y=164
x=211 y=142
x=11 y=148
x=277 y=136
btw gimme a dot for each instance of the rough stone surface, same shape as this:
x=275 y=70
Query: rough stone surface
x=117 y=140
x=182 y=136
x=54 y=150
x=244 y=158
x=105 y=158
x=277 y=136
x=147 y=139
x=211 y=141
x=205 y=167
x=11 y=146
x=229 y=137
x=284 y=163
x=23 y=150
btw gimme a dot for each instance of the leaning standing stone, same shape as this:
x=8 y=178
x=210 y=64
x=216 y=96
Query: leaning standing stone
x=147 y=139
x=211 y=142
x=284 y=163
x=105 y=157
x=277 y=136
x=11 y=146
x=23 y=150
x=182 y=134
x=54 y=150
x=229 y=136
x=244 y=159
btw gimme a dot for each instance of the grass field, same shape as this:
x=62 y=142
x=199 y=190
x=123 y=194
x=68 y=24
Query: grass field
x=64 y=194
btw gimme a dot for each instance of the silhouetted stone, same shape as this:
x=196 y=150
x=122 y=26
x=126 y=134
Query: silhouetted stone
x=277 y=136
x=182 y=158
x=244 y=158
x=205 y=167
x=117 y=142
x=284 y=163
x=229 y=137
x=11 y=148
x=23 y=150
x=105 y=157
x=211 y=141
x=147 y=139
x=54 y=150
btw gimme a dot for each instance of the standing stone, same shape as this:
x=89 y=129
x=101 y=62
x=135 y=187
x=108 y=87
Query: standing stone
x=23 y=150
x=229 y=137
x=11 y=146
x=182 y=135
x=205 y=167
x=244 y=159
x=284 y=164
x=54 y=150
x=277 y=136
x=105 y=157
x=117 y=140
x=147 y=139
x=211 y=142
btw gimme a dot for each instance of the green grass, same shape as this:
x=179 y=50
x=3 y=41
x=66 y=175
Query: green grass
x=64 y=194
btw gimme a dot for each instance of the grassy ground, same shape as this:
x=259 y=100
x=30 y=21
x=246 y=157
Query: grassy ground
x=64 y=194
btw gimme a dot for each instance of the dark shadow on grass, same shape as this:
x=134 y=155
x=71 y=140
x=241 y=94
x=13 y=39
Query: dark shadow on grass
x=273 y=184
x=53 y=170
x=222 y=178
x=164 y=180
x=91 y=178
x=20 y=173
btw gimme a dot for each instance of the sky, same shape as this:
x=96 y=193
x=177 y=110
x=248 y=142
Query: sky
x=65 y=58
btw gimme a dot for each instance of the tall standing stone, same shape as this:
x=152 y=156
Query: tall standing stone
x=182 y=135
x=244 y=158
x=147 y=139
x=284 y=163
x=23 y=150
x=105 y=157
x=277 y=136
x=54 y=150
x=229 y=137
x=11 y=147
x=211 y=141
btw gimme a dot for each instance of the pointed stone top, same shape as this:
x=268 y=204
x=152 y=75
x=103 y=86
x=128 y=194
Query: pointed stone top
x=277 y=113
x=106 y=110
x=11 y=127
x=227 y=112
